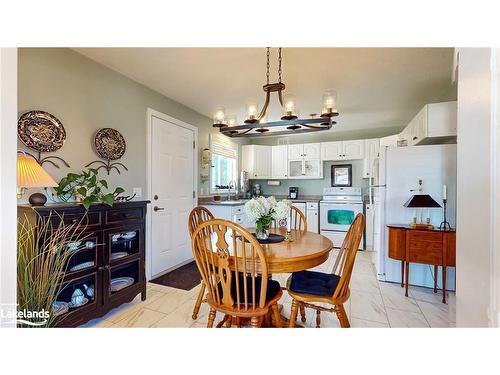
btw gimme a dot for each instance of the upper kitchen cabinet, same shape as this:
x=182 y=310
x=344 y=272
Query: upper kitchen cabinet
x=354 y=149
x=256 y=160
x=279 y=165
x=343 y=150
x=435 y=123
x=304 y=151
x=371 y=153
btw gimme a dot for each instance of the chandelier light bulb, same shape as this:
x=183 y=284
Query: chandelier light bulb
x=219 y=115
x=231 y=120
x=329 y=102
x=251 y=109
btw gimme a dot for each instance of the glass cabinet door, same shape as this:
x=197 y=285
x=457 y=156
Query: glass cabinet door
x=124 y=243
x=312 y=168
x=83 y=255
x=77 y=295
x=123 y=277
x=295 y=168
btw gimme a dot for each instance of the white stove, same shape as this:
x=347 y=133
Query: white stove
x=339 y=207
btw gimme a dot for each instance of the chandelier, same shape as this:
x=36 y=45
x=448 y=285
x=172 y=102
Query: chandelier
x=255 y=125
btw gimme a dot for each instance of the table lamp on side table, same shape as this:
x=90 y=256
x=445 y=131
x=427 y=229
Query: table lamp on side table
x=30 y=174
x=421 y=201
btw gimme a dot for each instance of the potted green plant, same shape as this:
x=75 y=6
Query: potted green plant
x=87 y=188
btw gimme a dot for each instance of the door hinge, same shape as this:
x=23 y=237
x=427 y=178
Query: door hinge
x=194 y=144
x=194 y=194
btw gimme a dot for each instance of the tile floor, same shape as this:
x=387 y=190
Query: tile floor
x=372 y=304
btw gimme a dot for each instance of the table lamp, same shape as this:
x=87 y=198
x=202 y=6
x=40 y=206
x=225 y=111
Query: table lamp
x=30 y=174
x=420 y=201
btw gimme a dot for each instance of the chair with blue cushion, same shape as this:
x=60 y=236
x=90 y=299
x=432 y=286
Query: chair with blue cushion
x=308 y=287
x=234 y=269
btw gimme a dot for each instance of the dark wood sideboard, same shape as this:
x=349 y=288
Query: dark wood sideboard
x=114 y=246
x=425 y=246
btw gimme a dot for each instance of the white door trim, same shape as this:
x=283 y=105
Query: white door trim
x=150 y=113
x=8 y=209
x=494 y=313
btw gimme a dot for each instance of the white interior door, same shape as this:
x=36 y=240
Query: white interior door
x=172 y=193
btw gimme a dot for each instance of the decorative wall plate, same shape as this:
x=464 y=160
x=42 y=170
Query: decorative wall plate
x=41 y=131
x=109 y=144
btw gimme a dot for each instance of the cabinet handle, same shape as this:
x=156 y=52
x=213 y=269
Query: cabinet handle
x=100 y=268
x=158 y=208
x=414 y=138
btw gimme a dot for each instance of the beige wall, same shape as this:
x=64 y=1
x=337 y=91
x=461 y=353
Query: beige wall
x=87 y=96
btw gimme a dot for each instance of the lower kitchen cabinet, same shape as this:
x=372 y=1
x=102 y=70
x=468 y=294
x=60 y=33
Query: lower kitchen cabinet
x=234 y=213
x=106 y=267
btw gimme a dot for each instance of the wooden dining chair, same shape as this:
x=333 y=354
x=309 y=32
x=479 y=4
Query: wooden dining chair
x=234 y=269
x=297 y=218
x=309 y=287
x=197 y=216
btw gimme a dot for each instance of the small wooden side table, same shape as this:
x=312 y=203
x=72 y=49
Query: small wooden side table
x=425 y=246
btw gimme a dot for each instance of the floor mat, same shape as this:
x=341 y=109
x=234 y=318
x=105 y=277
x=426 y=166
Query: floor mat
x=185 y=277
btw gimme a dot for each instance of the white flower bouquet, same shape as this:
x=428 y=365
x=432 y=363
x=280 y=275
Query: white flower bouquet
x=264 y=210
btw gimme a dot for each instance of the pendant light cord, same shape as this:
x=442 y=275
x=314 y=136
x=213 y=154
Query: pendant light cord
x=268 y=55
x=267 y=66
x=279 y=65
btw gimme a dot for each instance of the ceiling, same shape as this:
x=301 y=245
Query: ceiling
x=377 y=87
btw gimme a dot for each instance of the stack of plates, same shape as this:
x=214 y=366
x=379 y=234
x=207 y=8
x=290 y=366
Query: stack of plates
x=81 y=266
x=59 y=308
x=118 y=255
x=129 y=235
x=121 y=282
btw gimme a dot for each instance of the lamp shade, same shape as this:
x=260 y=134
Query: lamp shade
x=422 y=201
x=30 y=174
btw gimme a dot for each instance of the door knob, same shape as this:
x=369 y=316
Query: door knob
x=155 y=197
x=155 y=208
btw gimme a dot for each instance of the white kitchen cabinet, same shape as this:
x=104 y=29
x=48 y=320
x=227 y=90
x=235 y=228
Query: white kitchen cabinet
x=371 y=153
x=305 y=169
x=295 y=151
x=312 y=216
x=256 y=160
x=234 y=213
x=304 y=151
x=279 y=162
x=331 y=151
x=343 y=150
x=301 y=206
x=435 y=123
x=312 y=151
x=353 y=150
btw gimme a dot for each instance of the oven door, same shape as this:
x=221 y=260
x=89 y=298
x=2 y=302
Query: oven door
x=338 y=216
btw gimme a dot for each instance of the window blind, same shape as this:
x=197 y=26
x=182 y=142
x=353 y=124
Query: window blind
x=223 y=147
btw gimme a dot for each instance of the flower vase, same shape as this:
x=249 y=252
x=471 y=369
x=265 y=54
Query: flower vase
x=262 y=234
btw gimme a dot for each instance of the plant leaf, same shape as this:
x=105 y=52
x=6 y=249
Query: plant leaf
x=82 y=191
x=104 y=183
x=108 y=199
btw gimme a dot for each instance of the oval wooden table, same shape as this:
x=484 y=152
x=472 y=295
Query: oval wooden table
x=307 y=250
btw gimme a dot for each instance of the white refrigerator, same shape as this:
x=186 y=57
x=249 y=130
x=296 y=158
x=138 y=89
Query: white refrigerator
x=399 y=171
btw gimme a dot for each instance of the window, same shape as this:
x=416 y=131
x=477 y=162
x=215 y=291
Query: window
x=224 y=163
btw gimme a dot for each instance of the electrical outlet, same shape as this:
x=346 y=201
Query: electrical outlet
x=137 y=192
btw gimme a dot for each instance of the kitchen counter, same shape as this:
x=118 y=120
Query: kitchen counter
x=301 y=198
x=208 y=201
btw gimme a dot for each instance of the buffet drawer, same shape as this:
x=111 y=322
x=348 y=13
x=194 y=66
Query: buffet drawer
x=121 y=215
